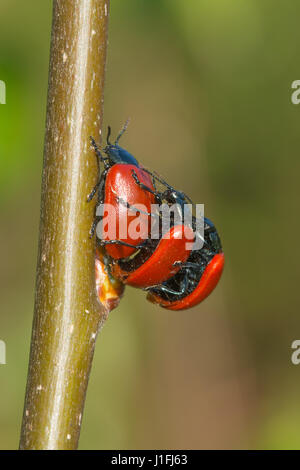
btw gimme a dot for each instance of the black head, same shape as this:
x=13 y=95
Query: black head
x=117 y=154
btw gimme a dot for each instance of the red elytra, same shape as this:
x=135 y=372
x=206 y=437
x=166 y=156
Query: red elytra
x=119 y=183
x=174 y=246
x=207 y=283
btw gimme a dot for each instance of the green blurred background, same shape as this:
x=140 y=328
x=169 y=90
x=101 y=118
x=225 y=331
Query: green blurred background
x=207 y=85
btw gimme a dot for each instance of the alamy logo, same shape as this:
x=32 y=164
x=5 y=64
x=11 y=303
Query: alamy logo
x=295 y=357
x=2 y=92
x=123 y=221
x=2 y=352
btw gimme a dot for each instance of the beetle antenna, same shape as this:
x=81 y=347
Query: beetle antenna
x=108 y=135
x=122 y=131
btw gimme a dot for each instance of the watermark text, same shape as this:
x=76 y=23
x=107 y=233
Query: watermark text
x=2 y=92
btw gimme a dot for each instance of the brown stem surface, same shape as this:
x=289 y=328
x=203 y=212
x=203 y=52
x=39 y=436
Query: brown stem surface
x=67 y=315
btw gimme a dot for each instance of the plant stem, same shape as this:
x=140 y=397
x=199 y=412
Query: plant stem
x=67 y=314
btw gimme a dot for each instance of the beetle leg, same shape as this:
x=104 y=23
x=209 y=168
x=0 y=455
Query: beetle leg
x=158 y=178
x=93 y=227
x=152 y=176
x=99 y=185
x=94 y=190
x=142 y=185
x=129 y=206
x=187 y=265
x=99 y=156
x=168 y=290
x=167 y=185
x=159 y=195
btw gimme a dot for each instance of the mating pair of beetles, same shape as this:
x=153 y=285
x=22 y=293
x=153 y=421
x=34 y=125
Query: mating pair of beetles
x=175 y=275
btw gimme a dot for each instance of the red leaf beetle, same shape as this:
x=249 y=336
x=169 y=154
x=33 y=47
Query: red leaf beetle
x=142 y=271
x=196 y=279
x=157 y=260
x=175 y=276
x=116 y=183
